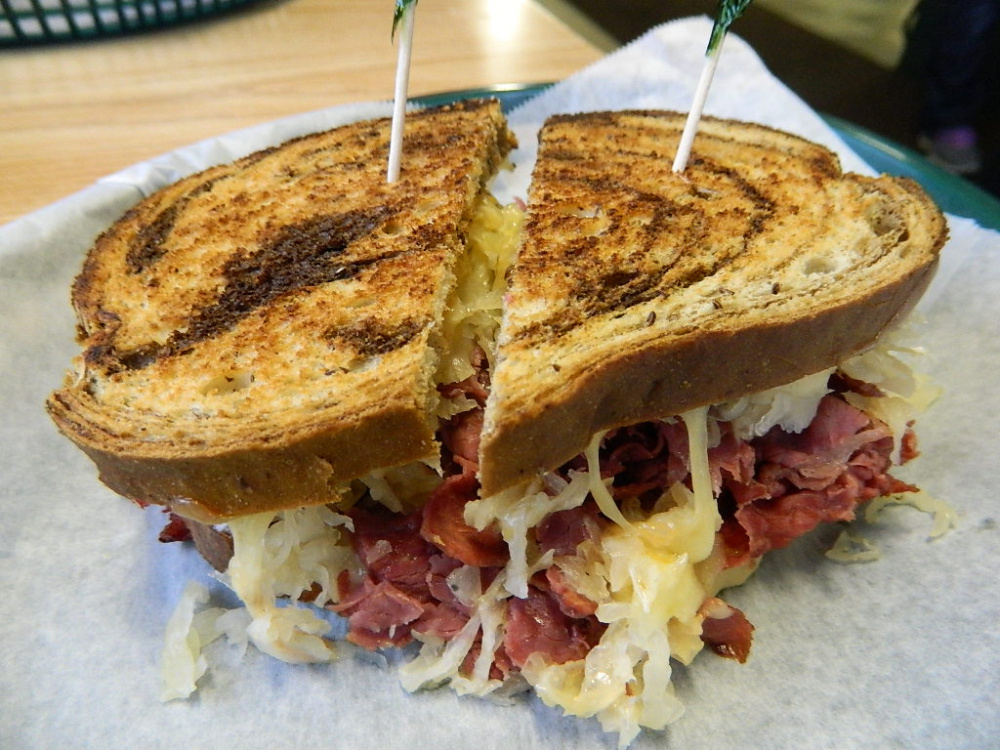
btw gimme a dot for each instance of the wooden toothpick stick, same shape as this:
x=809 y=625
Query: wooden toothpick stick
x=697 y=107
x=727 y=12
x=405 y=12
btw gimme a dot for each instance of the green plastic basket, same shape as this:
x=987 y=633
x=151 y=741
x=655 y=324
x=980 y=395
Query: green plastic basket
x=26 y=22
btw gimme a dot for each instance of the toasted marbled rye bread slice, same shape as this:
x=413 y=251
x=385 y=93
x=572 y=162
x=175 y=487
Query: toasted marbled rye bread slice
x=639 y=293
x=257 y=334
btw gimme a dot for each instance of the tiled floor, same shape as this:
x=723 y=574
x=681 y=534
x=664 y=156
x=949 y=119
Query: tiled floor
x=831 y=78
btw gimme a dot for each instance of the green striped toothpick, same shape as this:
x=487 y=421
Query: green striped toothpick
x=402 y=16
x=726 y=12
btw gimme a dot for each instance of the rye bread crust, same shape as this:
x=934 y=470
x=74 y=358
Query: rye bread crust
x=639 y=294
x=259 y=334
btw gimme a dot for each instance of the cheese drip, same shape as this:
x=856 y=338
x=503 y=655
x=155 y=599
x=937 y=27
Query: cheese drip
x=657 y=575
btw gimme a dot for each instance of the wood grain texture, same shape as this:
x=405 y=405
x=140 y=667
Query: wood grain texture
x=75 y=113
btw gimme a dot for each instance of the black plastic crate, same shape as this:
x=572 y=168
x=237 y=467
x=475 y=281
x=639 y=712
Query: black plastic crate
x=41 y=21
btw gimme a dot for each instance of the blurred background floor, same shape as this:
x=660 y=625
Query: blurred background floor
x=846 y=58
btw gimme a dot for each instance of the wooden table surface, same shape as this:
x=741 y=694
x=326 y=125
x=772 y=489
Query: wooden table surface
x=70 y=114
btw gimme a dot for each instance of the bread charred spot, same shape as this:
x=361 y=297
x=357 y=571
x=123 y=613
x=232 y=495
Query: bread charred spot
x=149 y=244
x=372 y=338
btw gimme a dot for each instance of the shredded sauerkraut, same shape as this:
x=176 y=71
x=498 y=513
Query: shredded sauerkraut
x=183 y=662
x=646 y=577
x=850 y=547
x=648 y=573
x=945 y=517
x=286 y=555
x=791 y=407
x=905 y=392
x=438 y=662
x=473 y=315
x=519 y=510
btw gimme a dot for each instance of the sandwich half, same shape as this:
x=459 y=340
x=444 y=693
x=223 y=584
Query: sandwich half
x=539 y=452
x=258 y=335
x=692 y=369
x=641 y=293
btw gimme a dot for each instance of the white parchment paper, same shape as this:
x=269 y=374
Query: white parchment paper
x=900 y=653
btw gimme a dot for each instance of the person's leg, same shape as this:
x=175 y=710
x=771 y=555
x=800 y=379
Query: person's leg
x=955 y=86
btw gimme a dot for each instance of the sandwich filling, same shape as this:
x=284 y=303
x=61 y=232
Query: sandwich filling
x=585 y=583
